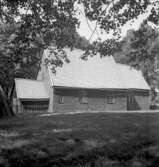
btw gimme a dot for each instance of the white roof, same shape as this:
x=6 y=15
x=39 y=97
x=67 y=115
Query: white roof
x=132 y=78
x=96 y=73
x=30 y=89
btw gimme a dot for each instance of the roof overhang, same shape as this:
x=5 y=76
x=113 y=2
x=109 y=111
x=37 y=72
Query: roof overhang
x=108 y=89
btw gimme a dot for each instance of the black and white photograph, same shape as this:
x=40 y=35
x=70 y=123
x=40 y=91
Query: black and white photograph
x=79 y=83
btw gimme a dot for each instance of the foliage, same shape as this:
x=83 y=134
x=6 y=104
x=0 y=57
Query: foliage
x=140 y=50
x=105 y=48
x=38 y=24
x=16 y=60
x=81 y=42
x=22 y=59
x=56 y=21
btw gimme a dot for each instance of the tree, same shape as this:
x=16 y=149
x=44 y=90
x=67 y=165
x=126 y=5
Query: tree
x=81 y=42
x=111 y=16
x=140 y=49
x=6 y=109
x=42 y=23
x=57 y=19
x=14 y=61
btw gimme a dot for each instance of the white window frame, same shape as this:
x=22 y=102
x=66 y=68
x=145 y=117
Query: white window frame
x=110 y=99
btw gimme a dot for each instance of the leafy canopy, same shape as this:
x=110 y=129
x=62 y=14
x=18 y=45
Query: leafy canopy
x=56 y=21
x=140 y=49
x=38 y=24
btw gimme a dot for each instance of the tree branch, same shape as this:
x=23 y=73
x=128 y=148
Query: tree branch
x=98 y=20
x=86 y=19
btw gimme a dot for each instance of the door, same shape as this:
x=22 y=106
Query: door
x=82 y=100
x=132 y=103
x=129 y=102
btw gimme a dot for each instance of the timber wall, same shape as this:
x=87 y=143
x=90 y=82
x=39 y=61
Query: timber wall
x=97 y=100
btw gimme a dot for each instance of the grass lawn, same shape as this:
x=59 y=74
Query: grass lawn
x=92 y=139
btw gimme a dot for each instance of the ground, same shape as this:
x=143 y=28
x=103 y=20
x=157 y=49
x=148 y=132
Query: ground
x=95 y=139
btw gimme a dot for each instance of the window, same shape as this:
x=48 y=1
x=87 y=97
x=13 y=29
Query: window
x=83 y=97
x=61 y=100
x=83 y=100
x=110 y=100
x=130 y=99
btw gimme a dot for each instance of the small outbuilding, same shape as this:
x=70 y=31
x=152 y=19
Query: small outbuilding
x=30 y=95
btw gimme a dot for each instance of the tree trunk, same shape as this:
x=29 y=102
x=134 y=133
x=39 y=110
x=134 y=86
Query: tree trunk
x=5 y=105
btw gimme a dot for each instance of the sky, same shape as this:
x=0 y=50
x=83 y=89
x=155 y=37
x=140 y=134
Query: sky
x=86 y=27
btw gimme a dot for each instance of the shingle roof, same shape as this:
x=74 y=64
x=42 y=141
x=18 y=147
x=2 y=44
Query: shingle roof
x=96 y=73
x=30 y=89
